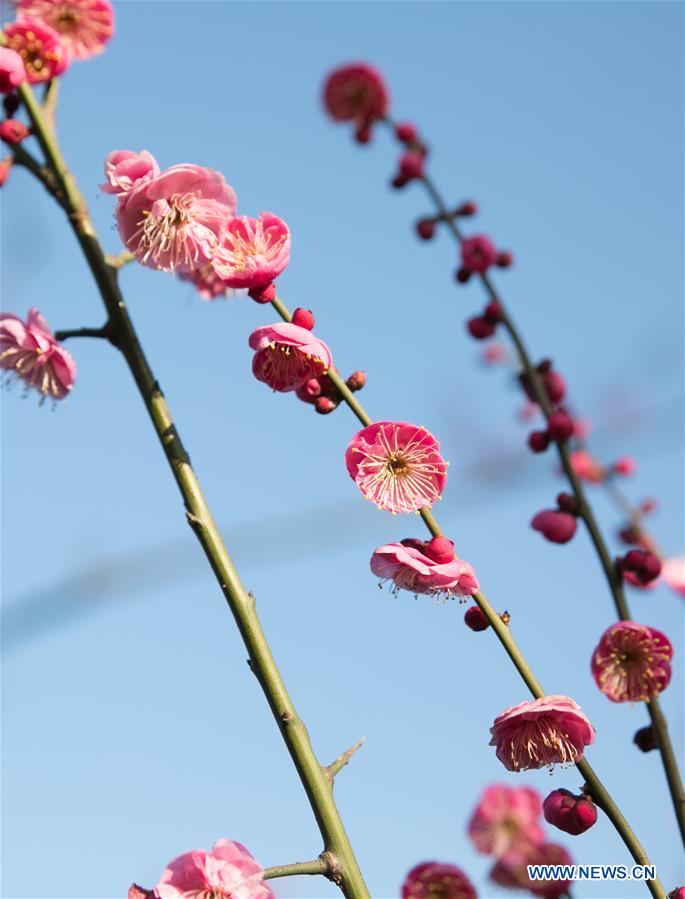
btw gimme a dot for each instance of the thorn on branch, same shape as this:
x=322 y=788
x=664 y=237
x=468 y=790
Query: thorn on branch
x=342 y=760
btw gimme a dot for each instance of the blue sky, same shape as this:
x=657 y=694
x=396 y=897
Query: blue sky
x=132 y=728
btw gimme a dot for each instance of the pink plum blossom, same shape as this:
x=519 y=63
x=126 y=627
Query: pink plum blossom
x=125 y=169
x=228 y=871
x=355 y=92
x=397 y=466
x=541 y=733
x=12 y=72
x=29 y=351
x=513 y=872
x=673 y=574
x=410 y=568
x=632 y=662
x=207 y=283
x=506 y=821
x=83 y=26
x=478 y=254
x=252 y=252
x=40 y=50
x=585 y=466
x=288 y=356
x=436 y=880
x=174 y=221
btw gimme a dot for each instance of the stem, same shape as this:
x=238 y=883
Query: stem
x=345 y=870
x=503 y=633
x=83 y=332
x=343 y=759
x=613 y=577
x=317 y=866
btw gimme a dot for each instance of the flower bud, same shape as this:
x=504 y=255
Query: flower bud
x=363 y=134
x=13 y=132
x=567 y=503
x=625 y=466
x=425 y=228
x=560 y=426
x=555 y=526
x=411 y=165
x=324 y=405
x=11 y=104
x=303 y=318
x=356 y=381
x=264 y=294
x=467 y=208
x=463 y=275
x=480 y=327
x=538 y=441
x=440 y=550
x=406 y=132
x=504 y=259
x=555 y=386
x=475 y=619
x=645 y=566
x=678 y=893
x=309 y=390
x=493 y=311
x=399 y=181
x=572 y=814
x=645 y=739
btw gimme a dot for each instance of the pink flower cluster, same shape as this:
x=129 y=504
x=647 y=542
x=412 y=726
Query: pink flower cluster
x=227 y=871
x=427 y=567
x=184 y=220
x=28 y=350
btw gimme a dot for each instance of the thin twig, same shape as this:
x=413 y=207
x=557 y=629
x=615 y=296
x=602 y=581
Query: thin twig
x=343 y=759
x=316 y=866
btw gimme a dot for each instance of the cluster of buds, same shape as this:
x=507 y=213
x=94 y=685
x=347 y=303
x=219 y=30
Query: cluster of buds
x=560 y=427
x=478 y=254
x=552 y=383
x=425 y=227
x=321 y=393
x=558 y=525
x=639 y=567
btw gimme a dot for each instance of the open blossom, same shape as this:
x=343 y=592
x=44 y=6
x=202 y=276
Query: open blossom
x=355 y=92
x=506 y=821
x=436 y=880
x=252 y=252
x=28 y=350
x=125 y=169
x=478 y=253
x=83 y=26
x=40 y=50
x=228 y=871
x=12 y=72
x=513 y=872
x=287 y=356
x=673 y=574
x=173 y=221
x=397 y=466
x=541 y=733
x=632 y=662
x=409 y=565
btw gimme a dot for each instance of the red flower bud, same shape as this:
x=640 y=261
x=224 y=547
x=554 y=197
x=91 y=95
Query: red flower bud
x=440 y=550
x=406 y=132
x=475 y=619
x=645 y=739
x=425 y=228
x=555 y=526
x=645 y=566
x=493 y=311
x=324 y=405
x=356 y=381
x=626 y=466
x=538 y=441
x=303 y=318
x=411 y=165
x=555 y=386
x=467 y=208
x=11 y=104
x=572 y=814
x=12 y=131
x=504 y=259
x=560 y=426
x=264 y=294
x=567 y=503
x=463 y=275
x=399 y=181
x=480 y=327
x=363 y=134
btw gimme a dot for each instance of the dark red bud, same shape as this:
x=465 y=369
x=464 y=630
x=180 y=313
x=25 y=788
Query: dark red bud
x=399 y=181
x=303 y=318
x=480 y=327
x=475 y=619
x=505 y=259
x=645 y=739
x=555 y=386
x=11 y=104
x=555 y=526
x=645 y=565
x=411 y=165
x=538 y=441
x=363 y=134
x=425 y=228
x=324 y=405
x=560 y=425
x=567 y=503
x=629 y=535
x=356 y=381
x=467 y=208
x=406 y=132
x=572 y=814
x=440 y=550
x=463 y=275
x=264 y=294
x=493 y=311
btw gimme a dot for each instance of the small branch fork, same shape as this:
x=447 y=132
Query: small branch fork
x=340 y=863
x=342 y=760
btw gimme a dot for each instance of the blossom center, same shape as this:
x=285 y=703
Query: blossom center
x=167 y=228
x=66 y=18
x=540 y=742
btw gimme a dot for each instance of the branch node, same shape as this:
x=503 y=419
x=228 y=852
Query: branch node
x=333 y=870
